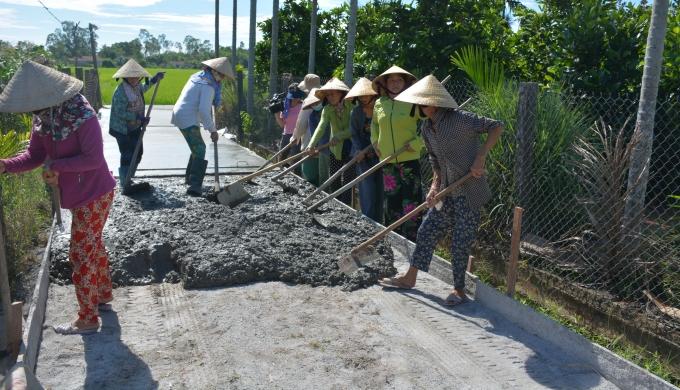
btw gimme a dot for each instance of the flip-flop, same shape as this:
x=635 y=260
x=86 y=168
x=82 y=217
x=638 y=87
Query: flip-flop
x=68 y=328
x=104 y=307
x=454 y=300
x=394 y=282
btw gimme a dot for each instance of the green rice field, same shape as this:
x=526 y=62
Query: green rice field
x=168 y=91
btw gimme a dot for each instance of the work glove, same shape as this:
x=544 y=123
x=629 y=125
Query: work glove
x=144 y=120
x=157 y=77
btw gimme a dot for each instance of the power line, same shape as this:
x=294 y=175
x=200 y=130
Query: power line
x=50 y=12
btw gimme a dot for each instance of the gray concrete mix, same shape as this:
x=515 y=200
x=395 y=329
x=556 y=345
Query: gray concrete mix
x=166 y=236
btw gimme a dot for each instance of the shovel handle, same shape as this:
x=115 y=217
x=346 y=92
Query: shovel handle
x=217 y=169
x=272 y=158
x=359 y=178
x=440 y=195
x=337 y=174
x=138 y=147
x=278 y=164
x=290 y=168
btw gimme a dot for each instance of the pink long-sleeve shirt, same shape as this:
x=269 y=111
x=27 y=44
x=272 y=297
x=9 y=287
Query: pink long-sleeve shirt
x=79 y=160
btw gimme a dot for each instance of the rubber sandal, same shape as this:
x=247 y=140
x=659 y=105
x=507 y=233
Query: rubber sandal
x=454 y=300
x=394 y=282
x=69 y=328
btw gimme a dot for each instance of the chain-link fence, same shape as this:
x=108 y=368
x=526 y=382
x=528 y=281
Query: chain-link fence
x=565 y=159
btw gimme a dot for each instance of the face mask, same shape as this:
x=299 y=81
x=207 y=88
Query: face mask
x=318 y=107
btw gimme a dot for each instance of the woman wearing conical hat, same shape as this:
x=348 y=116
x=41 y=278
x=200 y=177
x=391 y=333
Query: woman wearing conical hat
x=452 y=138
x=127 y=115
x=301 y=134
x=193 y=108
x=315 y=168
x=392 y=127
x=335 y=118
x=370 y=189
x=67 y=141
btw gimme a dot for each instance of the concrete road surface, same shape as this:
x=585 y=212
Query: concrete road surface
x=166 y=152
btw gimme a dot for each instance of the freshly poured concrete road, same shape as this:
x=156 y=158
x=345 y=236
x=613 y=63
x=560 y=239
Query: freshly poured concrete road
x=166 y=152
x=279 y=336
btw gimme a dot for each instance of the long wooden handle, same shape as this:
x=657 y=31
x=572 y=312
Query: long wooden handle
x=337 y=174
x=217 y=168
x=440 y=195
x=280 y=163
x=360 y=177
x=272 y=158
x=138 y=147
x=290 y=168
x=56 y=204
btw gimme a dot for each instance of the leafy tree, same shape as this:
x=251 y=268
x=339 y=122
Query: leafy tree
x=68 y=42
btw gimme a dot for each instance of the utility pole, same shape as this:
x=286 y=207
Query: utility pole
x=250 y=100
x=93 y=48
x=217 y=28
x=75 y=44
x=233 y=38
x=312 y=39
x=274 y=57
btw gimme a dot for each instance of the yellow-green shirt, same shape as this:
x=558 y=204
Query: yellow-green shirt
x=339 y=127
x=392 y=127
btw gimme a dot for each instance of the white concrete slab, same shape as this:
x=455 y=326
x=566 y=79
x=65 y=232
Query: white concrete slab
x=166 y=151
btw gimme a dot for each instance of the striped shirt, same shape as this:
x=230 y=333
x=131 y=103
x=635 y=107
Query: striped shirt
x=452 y=138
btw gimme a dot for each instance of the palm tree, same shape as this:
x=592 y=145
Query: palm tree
x=233 y=38
x=351 y=37
x=217 y=28
x=312 y=38
x=251 y=60
x=274 y=62
x=638 y=174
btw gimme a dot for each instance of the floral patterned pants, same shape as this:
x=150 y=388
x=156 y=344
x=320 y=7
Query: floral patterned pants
x=403 y=192
x=455 y=214
x=88 y=256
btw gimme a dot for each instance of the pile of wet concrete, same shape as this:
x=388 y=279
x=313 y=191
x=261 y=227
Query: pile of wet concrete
x=166 y=236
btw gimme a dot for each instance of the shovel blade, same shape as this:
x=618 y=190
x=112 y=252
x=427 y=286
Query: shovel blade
x=357 y=259
x=232 y=195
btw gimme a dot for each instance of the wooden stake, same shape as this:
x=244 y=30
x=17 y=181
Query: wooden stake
x=471 y=265
x=15 y=328
x=514 y=250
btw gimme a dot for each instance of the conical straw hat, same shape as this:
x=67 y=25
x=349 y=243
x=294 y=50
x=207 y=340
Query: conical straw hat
x=34 y=87
x=428 y=92
x=311 y=99
x=382 y=79
x=332 y=85
x=131 y=69
x=311 y=81
x=221 y=65
x=362 y=87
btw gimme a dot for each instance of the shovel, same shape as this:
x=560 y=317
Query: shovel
x=336 y=174
x=127 y=188
x=365 y=253
x=234 y=194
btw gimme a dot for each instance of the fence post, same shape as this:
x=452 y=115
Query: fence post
x=5 y=296
x=514 y=251
x=239 y=105
x=79 y=74
x=526 y=129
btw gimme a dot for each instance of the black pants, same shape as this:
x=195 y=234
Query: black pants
x=126 y=146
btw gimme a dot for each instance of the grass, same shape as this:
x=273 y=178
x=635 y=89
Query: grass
x=168 y=91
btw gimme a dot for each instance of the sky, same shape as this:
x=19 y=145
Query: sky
x=121 y=20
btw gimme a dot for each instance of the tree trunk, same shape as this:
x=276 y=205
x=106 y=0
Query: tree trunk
x=351 y=37
x=251 y=60
x=312 y=38
x=217 y=28
x=638 y=173
x=233 y=38
x=274 y=62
